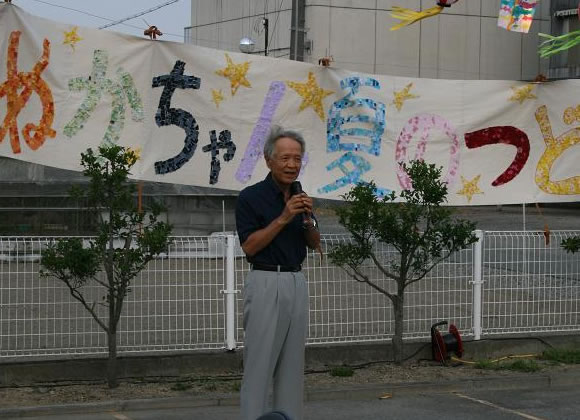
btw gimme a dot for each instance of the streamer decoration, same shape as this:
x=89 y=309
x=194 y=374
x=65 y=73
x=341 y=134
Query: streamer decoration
x=557 y=44
x=408 y=16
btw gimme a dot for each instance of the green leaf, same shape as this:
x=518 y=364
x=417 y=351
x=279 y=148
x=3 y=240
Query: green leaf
x=571 y=244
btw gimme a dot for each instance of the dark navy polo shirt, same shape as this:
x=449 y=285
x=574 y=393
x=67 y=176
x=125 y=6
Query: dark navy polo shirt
x=256 y=207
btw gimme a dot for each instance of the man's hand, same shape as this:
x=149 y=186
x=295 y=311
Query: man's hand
x=296 y=204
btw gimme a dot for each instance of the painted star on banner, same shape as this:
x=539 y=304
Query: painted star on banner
x=312 y=94
x=470 y=188
x=217 y=97
x=402 y=95
x=523 y=93
x=71 y=37
x=136 y=151
x=236 y=73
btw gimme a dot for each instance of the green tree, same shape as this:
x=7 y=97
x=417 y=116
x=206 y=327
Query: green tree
x=126 y=240
x=418 y=227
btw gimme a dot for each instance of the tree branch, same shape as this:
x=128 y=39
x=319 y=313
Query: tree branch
x=102 y=283
x=429 y=268
x=78 y=296
x=381 y=268
x=364 y=279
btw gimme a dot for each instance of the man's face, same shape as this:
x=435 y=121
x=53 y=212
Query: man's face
x=286 y=161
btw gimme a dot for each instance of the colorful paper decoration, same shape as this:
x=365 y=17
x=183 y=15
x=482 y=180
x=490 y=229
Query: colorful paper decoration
x=555 y=44
x=421 y=126
x=71 y=37
x=408 y=16
x=261 y=129
x=17 y=89
x=236 y=73
x=312 y=94
x=121 y=88
x=470 y=187
x=402 y=95
x=555 y=147
x=516 y=15
x=522 y=93
x=217 y=97
x=167 y=116
x=503 y=135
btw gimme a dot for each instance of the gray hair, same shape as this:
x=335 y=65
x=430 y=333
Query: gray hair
x=278 y=132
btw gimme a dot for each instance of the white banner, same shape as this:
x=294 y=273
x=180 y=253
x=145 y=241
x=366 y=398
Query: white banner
x=199 y=116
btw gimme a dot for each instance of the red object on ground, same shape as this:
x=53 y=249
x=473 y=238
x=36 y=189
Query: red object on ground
x=442 y=345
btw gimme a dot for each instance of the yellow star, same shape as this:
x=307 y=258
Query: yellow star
x=470 y=188
x=136 y=152
x=523 y=93
x=217 y=97
x=236 y=73
x=71 y=37
x=402 y=95
x=312 y=94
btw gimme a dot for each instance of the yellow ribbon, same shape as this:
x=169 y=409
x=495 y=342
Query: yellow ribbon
x=408 y=16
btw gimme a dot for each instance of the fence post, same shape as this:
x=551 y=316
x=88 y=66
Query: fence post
x=477 y=282
x=230 y=293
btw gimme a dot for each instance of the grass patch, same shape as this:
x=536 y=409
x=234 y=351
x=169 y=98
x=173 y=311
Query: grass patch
x=210 y=386
x=568 y=356
x=521 y=365
x=180 y=386
x=236 y=386
x=342 y=371
x=485 y=365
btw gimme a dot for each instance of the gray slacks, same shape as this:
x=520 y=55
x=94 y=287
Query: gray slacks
x=275 y=322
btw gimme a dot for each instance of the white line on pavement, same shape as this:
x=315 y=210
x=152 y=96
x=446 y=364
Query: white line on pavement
x=120 y=416
x=489 y=404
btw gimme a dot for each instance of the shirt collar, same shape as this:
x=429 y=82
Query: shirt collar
x=272 y=186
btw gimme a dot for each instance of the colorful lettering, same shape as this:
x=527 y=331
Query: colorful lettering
x=29 y=82
x=95 y=85
x=166 y=115
x=423 y=124
x=555 y=147
x=502 y=135
x=225 y=142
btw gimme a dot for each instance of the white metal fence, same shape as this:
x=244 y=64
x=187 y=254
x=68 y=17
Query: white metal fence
x=508 y=283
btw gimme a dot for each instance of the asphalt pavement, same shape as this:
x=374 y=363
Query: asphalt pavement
x=519 y=217
x=550 y=396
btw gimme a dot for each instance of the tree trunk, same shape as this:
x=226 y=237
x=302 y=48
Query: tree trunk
x=398 y=337
x=112 y=343
x=112 y=361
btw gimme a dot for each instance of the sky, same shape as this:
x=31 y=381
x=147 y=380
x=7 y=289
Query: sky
x=170 y=19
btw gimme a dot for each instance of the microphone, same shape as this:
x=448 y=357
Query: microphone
x=296 y=188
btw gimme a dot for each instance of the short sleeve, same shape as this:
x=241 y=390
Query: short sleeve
x=246 y=217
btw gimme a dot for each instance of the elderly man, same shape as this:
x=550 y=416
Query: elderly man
x=275 y=225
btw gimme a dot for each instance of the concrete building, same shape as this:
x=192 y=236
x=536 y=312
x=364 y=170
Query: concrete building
x=565 y=19
x=464 y=42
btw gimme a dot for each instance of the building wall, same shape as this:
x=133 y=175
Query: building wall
x=565 y=64
x=464 y=42
x=221 y=24
x=35 y=200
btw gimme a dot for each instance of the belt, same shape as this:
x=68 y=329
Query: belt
x=279 y=268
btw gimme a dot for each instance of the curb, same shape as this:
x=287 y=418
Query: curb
x=371 y=391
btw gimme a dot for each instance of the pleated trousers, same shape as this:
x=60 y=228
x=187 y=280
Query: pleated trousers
x=275 y=327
